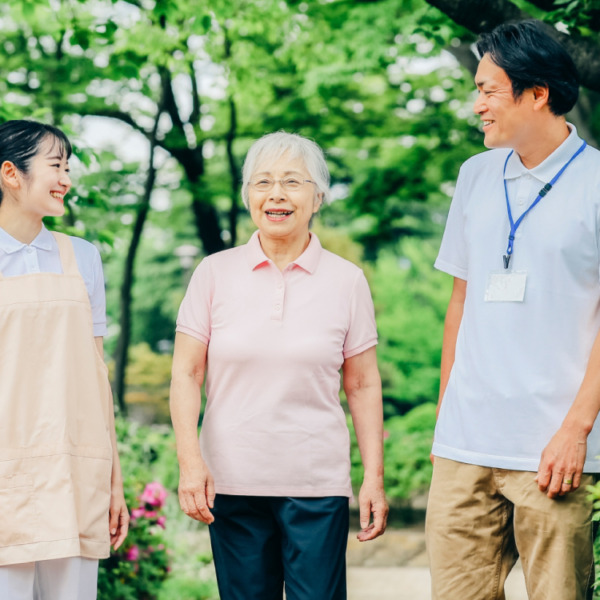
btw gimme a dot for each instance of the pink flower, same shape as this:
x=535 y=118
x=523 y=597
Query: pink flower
x=132 y=554
x=150 y=514
x=136 y=513
x=161 y=521
x=154 y=494
x=386 y=435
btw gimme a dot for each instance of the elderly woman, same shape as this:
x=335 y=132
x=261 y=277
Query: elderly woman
x=271 y=324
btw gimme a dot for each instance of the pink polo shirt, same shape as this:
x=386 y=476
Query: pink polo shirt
x=276 y=340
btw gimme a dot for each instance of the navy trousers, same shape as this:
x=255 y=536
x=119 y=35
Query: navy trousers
x=261 y=543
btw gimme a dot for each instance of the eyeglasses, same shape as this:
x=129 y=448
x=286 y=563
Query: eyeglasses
x=289 y=184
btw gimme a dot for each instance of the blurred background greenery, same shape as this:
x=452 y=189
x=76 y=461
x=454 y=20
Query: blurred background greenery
x=162 y=98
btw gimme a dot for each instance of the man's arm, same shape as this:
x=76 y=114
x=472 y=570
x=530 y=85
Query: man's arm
x=196 y=485
x=563 y=458
x=451 y=326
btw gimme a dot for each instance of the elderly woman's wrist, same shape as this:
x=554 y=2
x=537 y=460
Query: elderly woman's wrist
x=191 y=463
x=373 y=473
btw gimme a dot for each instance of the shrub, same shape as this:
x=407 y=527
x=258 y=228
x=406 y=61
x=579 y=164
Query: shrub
x=137 y=569
x=407 y=446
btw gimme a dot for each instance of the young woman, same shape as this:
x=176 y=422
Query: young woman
x=61 y=491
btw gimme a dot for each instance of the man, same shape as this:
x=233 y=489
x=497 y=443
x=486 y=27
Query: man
x=515 y=444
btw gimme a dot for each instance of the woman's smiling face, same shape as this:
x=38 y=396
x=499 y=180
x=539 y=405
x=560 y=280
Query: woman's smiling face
x=279 y=213
x=47 y=182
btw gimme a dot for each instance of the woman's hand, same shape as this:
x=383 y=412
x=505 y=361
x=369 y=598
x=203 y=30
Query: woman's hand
x=118 y=517
x=197 y=493
x=372 y=502
x=362 y=385
x=196 y=485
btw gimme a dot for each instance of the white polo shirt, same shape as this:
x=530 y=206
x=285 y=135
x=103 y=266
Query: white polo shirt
x=276 y=340
x=41 y=256
x=519 y=365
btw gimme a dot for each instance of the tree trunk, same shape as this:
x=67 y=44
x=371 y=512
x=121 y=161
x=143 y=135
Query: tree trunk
x=233 y=172
x=122 y=349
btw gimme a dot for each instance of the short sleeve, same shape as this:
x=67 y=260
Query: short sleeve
x=194 y=313
x=362 y=330
x=452 y=257
x=89 y=264
x=97 y=294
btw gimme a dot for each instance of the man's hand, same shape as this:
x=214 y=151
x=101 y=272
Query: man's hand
x=562 y=462
x=197 y=493
x=371 y=501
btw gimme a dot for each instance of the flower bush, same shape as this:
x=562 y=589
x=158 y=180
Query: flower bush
x=160 y=559
x=137 y=570
x=594 y=498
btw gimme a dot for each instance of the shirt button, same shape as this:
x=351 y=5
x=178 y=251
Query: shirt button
x=29 y=250
x=278 y=307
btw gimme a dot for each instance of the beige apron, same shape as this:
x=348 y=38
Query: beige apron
x=55 y=448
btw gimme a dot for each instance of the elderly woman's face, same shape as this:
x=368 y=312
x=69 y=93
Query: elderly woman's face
x=284 y=211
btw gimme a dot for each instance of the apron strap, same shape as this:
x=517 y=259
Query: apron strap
x=67 y=254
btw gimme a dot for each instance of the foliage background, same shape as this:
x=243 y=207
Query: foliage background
x=163 y=98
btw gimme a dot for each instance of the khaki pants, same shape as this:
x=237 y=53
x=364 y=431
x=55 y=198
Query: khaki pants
x=480 y=520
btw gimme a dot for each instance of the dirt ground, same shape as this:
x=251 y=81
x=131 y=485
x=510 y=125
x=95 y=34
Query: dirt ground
x=395 y=567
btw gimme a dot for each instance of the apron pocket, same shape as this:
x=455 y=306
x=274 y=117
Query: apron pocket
x=19 y=517
x=91 y=477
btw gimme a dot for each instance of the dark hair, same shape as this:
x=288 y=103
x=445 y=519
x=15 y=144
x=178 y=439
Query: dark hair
x=20 y=141
x=530 y=57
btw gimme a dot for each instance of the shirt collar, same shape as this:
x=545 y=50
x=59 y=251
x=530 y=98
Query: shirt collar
x=308 y=260
x=551 y=165
x=43 y=241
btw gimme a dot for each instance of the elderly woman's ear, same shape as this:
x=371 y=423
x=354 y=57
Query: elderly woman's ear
x=318 y=201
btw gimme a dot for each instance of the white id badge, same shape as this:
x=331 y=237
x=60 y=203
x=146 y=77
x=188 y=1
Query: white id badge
x=506 y=287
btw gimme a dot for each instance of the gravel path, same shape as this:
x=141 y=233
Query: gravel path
x=394 y=567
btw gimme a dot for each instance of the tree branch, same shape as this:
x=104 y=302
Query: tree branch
x=584 y=51
x=592 y=14
x=170 y=102
x=465 y=56
x=195 y=115
x=120 y=115
x=469 y=13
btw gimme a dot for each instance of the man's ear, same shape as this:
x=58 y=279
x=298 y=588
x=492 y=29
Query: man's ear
x=10 y=175
x=541 y=96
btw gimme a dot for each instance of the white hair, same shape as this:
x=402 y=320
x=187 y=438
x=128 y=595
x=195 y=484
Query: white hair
x=273 y=146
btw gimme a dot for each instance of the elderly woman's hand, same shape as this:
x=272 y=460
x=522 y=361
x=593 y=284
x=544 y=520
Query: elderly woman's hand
x=362 y=385
x=371 y=501
x=197 y=492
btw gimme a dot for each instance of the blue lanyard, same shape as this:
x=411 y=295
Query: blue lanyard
x=515 y=225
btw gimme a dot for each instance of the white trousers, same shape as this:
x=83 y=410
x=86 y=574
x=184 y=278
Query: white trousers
x=73 y=578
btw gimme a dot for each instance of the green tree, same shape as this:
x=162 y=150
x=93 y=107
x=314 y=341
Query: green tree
x=388 y=107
